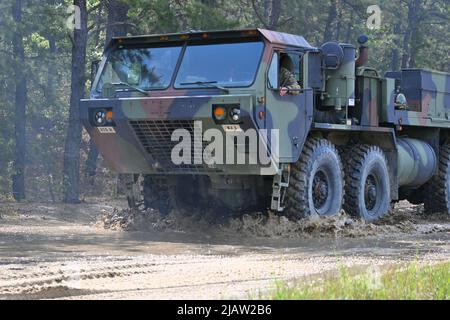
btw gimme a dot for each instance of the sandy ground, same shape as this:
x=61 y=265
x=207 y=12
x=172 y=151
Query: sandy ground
x=82 y=251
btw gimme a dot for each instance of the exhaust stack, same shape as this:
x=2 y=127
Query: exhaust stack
x=363 y=55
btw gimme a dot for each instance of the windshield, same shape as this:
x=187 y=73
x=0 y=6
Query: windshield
x=144 y=68
x=228 y=65
x=213 y=65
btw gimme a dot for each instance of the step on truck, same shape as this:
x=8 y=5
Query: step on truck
x=250 y=119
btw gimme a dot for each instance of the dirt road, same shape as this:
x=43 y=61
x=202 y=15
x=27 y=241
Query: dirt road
x=57 y=251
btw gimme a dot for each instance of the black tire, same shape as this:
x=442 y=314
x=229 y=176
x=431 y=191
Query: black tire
x=437 y=195
x=157 y=192
x=367 y=184
x=316 y=182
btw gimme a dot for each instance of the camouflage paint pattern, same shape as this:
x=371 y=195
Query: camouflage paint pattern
x=428 y=96
x=124 y=151
x=428 y=99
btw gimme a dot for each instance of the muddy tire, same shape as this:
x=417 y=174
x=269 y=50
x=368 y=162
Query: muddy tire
x=158 y=194
x=437 y=195
x=367 y=184
x=316 y=183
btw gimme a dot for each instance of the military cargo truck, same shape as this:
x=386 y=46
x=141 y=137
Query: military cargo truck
x=203 y=120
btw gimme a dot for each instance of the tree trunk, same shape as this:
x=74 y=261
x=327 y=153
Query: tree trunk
x=271 y=13
x=275 y=14
x=410 y=33
x=348 y=32
x=91 y=161
x=332 y=16
x=116 y=27
x=51 y=101
x=117 y=19
x=71 y=179
x=337 y=37
x=395 y=55
x=18 y=178
x=266 y=13
x=51 y=71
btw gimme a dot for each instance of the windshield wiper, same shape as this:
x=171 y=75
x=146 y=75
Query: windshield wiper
x=131 y=87
x=211 y=84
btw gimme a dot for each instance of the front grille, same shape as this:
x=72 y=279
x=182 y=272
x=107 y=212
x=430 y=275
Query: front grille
x=155 y=136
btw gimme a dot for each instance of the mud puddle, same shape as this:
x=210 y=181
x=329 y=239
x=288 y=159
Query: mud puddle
x=56 y=251
x=405 y=218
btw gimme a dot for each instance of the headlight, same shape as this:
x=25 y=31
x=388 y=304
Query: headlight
x=100 y=117
x=235 y=114
x=226 y=113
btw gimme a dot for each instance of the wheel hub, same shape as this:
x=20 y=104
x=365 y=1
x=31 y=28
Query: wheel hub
x=320 y=189
x=370 y=192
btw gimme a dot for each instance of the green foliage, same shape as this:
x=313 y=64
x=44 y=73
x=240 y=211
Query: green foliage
x=411 y=283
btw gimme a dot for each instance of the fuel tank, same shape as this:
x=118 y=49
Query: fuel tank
x=417 y=162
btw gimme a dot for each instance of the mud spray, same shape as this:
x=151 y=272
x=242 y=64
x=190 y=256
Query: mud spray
x=405 y=218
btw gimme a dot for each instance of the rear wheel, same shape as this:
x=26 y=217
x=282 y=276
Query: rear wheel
x=437 y=195
x=367 y=188
x=316 y=182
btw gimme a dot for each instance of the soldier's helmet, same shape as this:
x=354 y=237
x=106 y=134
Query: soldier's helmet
x=287 y=63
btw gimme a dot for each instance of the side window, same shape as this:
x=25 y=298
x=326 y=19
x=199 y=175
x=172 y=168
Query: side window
x=273 y=72
x=298 y=66
x=293 y=63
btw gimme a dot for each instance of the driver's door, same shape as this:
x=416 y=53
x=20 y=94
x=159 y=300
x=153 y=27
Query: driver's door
x=290 y=114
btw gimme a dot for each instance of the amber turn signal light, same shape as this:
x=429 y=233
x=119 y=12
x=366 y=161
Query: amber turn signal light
x=261 y=115
x=220 y=113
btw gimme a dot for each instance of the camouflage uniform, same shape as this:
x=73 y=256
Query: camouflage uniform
x=288 y=80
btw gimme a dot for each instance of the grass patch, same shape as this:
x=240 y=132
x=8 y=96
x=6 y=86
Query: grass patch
x=413 y=282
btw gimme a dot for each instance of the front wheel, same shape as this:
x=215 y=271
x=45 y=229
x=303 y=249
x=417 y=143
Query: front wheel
x=316 y=183
x=157 y=193
x=367 y=188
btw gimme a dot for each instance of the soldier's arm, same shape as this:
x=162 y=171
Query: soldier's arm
x=290 y=82
x=294 y=88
